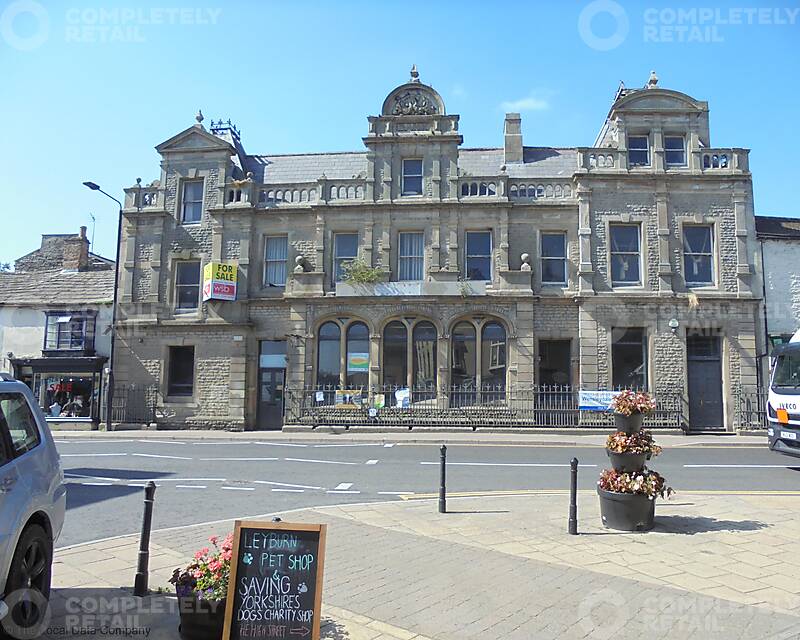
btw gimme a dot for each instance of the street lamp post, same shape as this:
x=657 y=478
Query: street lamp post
x=110 y=382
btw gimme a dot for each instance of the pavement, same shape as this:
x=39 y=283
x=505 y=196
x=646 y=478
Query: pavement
x=717 y=565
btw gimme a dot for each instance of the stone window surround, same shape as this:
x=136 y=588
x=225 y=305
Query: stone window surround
x=649 y=341
x=639 y=133
x=331 y=233
x=395 y=247
x=568 y=240
x=574 y=353
x=183 y=256
x=192 y=175
x=183 y=401
x=641 y=222
x=701 y=220
x=289 y=261
x=492 y=231
x=675 y=134
x=421 y=177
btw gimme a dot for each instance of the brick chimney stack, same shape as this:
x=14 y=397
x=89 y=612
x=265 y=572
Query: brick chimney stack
x=513 y=138
x=76 y=252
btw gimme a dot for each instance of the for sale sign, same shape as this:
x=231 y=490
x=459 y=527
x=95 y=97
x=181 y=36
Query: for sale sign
x=219 y=281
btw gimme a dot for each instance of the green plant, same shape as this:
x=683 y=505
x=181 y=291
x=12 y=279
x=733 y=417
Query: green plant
x=629 y=402
x=642 y=442
x=359 y=272
x=644 y=482
x=207 y=575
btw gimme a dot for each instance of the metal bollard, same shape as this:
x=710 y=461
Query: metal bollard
x=142 y=570
x=442 y=489
x=573 y=497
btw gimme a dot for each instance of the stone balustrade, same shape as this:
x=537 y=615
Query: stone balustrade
x=480 y=187
x=735 y=160
x=281 y=194
x=594 y=159
x=534 y=190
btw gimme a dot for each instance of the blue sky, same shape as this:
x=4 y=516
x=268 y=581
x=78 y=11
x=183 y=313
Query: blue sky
x=89 y=88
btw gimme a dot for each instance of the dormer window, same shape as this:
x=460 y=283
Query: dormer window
x=68 y=331
x=638 y=151
x=412 y=177
x=675 y=151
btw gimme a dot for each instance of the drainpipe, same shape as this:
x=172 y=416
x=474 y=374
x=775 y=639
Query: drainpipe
x=759 y=369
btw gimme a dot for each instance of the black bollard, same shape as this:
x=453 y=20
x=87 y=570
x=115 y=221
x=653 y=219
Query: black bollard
x=573 y=497
x=442 y=489
x=142 y=570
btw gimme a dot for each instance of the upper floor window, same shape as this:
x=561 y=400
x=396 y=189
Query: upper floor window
x=625 y=258
x=412 y=177
x=345 y=250
x=479 y=255
x=192 y=201
x=554 y=258
x=187 y=285
x=411 y=257
x=675 y=151
x=698 y=254
x=180 y=374
x=275 y=253
x=638 y=151
x=69 y=331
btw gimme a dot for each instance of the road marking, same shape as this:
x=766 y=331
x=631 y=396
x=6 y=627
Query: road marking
x=240 y=459
x=339 y=491
x=89 y=441
x=219 y=444
x=238 y=488
x=343 y=486
x=191 y=486
x=92 y=455
x=289 y=490
x=395 y=493
x=95 y=484
x=365 y=444
x=371 y=462
x=79 y=475
x=286 y=484
x=741 y=466
x=506 y=464
x=319 y=461
x=163 y=441
x=281 y=444
x=388 y=445
x=155 y=455
x=137 y=484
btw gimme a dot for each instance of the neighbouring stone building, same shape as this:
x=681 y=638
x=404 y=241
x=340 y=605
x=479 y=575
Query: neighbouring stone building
x=55 y=325
x=480 y=274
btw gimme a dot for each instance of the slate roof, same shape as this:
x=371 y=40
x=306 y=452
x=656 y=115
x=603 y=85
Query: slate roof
x=544 y=162
x=56 y=287
x=773 y=227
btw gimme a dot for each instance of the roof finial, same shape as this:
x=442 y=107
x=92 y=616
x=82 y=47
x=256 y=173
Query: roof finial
x=199 y=117
x=653 y=81
x=414 y=73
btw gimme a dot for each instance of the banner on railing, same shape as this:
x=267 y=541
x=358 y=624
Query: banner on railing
x=595 y=400
x=349 y=399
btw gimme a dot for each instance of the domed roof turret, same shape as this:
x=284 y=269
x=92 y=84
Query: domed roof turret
x=413 y=99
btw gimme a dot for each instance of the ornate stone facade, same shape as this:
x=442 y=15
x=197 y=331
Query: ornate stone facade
x=519 y=213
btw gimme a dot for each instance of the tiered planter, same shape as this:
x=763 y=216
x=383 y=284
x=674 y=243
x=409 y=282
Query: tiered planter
x=627 y=511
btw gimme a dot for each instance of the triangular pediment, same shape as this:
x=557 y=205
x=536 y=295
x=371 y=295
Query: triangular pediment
x=195 y=138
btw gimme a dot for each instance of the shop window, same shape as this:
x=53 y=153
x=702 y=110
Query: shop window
x=67 y=395
x=329 y=355
x=180 y=378
x=479 y=255
x=423 y=356
x=395 y=355
x=17 y=416
x=69 y=331
x=625 y=258
x=675 y=151
x=345 y=250
x=411 y=256
x=638 y=151
x=275 y=254
x=629 y=358
x=412 y=177
x=357 y=370
x=554 y=362
x=554 y=258
x=464 y=356
x=192 y=201
x=187 y=285
x=698 y=254
x=493 y=356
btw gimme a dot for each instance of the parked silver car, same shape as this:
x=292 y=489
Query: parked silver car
x=32 y=506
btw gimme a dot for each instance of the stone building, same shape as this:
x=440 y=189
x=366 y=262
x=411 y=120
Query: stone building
x=55 y=325
x=471 y=277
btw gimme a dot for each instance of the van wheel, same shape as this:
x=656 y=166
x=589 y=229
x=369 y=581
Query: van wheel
x=30 y=575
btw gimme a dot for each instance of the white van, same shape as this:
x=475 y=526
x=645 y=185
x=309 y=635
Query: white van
x=783 y=405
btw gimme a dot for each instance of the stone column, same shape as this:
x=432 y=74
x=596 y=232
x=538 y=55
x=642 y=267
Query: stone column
x=585 y=268
x=503 y=244
x=743 y=271
x=664 y=263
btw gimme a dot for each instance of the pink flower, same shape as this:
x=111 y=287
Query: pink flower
x=214 y=565
x=213 y=540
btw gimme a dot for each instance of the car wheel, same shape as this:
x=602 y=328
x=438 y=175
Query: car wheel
x=28 y=584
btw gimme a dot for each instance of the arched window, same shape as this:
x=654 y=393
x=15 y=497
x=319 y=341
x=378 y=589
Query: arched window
x=357 y=364
x=464 y=373
x=395 y=355
x=329 y=355
x=423 y=358
x=493 y=357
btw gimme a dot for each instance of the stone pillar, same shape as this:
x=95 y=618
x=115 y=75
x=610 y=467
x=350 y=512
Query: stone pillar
x=657 y=161
x=743 y=270
x=127 y=258
x=319 y=243
x=503 y=244
x=155 y=261
x=664 y=264
x=435 y=247
x=585 y=268
x=374 y=360
x=587 y=349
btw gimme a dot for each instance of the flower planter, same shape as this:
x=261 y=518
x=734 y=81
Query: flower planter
x=628 y=424
x=626 y=511
x=201 y=619
x=627 y=462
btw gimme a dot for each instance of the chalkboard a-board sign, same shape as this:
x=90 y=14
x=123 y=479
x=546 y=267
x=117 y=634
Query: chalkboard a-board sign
x=275 y=588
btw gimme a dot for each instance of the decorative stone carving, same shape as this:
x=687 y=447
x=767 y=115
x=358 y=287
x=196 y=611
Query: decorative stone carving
x=414 y=103
x=300 y=264
x=526 y=262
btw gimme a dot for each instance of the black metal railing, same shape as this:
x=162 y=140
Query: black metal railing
x=463 y=405
x=750 y=404
x=132 y=404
